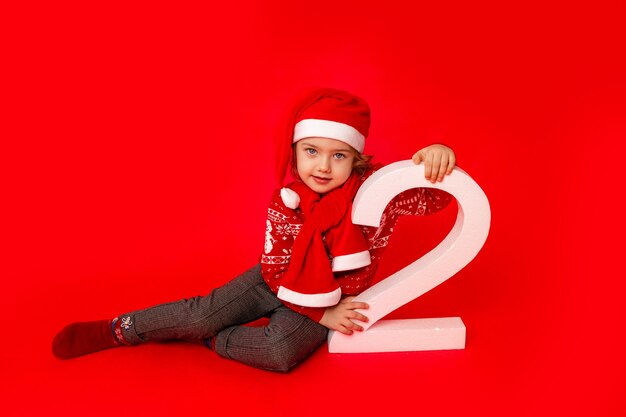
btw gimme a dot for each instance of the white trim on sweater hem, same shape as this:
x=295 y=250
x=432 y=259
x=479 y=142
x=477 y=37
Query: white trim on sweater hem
x=309 y=300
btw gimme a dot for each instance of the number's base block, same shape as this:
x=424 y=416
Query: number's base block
x=402 y=336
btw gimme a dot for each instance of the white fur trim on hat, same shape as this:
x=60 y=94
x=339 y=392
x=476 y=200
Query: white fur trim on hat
x=290 y=198
x=309 y=300
x=310 y=128
x=352 y=261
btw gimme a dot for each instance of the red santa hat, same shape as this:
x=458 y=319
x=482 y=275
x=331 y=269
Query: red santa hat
x=327 y=113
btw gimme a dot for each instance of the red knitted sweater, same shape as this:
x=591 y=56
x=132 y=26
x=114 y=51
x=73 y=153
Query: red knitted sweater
x=283 y=225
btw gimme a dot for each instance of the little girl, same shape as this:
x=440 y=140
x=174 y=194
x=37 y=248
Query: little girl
x=314 y=261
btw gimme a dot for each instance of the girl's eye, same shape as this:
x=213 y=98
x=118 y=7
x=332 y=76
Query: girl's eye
x=310 y=151
x=339 y=156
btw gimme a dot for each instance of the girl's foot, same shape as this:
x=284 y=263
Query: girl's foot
x=82 y=338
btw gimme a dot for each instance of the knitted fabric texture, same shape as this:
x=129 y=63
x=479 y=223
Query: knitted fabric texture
x=309 y=280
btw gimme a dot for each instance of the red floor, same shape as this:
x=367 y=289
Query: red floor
x=533 y=348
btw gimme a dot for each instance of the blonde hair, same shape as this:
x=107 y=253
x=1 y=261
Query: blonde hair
x=360 y=163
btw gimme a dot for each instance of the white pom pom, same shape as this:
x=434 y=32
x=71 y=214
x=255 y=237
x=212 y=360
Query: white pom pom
x=290 y=198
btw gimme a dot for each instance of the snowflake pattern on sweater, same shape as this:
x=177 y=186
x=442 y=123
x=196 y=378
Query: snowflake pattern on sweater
x=283 y=225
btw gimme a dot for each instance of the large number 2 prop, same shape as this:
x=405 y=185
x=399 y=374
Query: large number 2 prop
x=451 y=255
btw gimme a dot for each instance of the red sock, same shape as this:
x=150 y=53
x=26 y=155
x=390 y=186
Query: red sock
x=79 y=339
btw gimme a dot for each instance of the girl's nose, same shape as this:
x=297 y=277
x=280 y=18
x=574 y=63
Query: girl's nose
x=324 y=165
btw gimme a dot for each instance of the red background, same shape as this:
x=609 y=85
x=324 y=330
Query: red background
x=136 y=169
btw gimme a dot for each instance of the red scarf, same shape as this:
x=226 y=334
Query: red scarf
x=309 y=280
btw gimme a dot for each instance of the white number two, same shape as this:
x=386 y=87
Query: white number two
x=451 y=255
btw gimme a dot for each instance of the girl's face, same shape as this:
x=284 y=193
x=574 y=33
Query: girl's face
x=323 y=164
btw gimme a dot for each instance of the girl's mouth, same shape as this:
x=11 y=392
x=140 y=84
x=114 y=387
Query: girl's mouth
x=321 y=180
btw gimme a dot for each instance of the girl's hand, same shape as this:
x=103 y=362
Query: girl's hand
x=341 y=317
x=438 y=161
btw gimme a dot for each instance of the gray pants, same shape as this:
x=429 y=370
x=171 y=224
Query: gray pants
x=288 y=338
